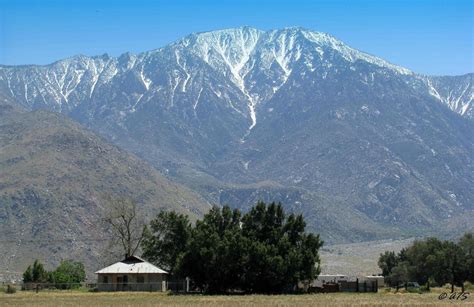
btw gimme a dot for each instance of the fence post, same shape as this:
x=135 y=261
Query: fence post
x=187 y=284
x=357 y=287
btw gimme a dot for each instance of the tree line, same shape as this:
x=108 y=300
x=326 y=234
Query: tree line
x=262 y=251
x=69 y=274
x=432 y=262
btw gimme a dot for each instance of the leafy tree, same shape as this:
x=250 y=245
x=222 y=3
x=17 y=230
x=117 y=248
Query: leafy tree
x=419 y=256
x=262 y=252
x=39 y=274
x=432 y=259
x=466 y=243
x=451 y=265
x=35 y=273
x=387 y=261
x=402 y=255
x=69 y=274
x=214 y=255
x=28 y=275
x=280 y=253
x=400 y=274
x=166 y=240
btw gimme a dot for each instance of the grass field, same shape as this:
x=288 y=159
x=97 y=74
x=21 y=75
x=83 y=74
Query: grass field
x=77 y=298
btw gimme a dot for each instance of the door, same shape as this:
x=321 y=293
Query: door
x=119 y=283
x=125 y=283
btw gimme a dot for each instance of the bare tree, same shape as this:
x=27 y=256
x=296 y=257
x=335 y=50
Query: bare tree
x=125 y=224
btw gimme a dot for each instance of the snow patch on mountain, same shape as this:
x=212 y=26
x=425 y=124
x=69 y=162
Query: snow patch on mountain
x=455 y=92
x=350 y=54
x=258 y=64
x=232 y=48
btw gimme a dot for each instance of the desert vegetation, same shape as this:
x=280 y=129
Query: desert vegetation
x=431 y=262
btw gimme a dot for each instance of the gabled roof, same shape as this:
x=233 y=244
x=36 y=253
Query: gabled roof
x=131 y=265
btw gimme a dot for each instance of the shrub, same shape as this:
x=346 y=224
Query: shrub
x=414 y=290
x=10 y=289
x=68 y=275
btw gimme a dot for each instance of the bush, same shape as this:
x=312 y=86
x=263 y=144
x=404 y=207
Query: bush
x=414 y=290
x=468 y=286
x=10 y=289
x=68 y=275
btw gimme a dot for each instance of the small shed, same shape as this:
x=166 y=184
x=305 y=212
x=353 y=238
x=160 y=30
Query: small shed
x=322 y=280
x=131 y=274
x=378 y=278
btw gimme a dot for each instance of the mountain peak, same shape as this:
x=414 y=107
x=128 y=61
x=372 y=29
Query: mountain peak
x=234 y=45
x=258 y=63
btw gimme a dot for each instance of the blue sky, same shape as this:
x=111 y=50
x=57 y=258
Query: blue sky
x=431 y=37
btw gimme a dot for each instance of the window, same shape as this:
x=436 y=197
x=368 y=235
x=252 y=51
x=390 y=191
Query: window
x=105 y=279
x=140 y=279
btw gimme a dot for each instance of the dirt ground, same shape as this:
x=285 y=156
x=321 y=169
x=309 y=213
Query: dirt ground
x=77 y=298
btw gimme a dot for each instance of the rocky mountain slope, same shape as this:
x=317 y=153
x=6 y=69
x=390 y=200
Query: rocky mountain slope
x=364 y=148
x=54 y=176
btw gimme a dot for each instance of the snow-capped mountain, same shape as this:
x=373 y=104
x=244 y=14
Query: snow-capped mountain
x=255 y=62
x=292 y=114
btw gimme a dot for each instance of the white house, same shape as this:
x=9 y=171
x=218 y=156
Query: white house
x=131 y=274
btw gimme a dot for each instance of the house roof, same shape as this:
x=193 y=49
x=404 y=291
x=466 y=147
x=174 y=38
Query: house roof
x=131 y=265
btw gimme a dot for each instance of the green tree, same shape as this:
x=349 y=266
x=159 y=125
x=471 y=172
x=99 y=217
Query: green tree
x=387 y=261
x=418 y=256
x=466 y=243
x=262 y=252
x=432 y=259
x=400 y=274
x=214 y=255
x=280 y=253
x=166 y=240
x=69 y=274
x=450 y=262
x=35 y=273
x=38 y=273
x=28 y=275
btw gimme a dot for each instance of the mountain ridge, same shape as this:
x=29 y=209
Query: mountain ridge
x=332 y=129
x=318 y=38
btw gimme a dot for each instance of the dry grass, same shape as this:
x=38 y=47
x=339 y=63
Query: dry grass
x=357 y=259
x=76 y=298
